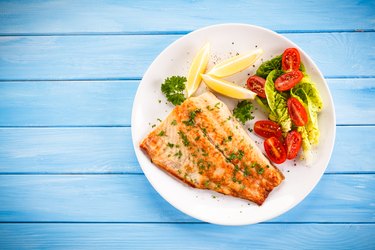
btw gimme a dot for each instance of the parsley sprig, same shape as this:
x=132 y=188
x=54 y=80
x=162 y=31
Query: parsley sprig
x=243 y=111
x=173 y=88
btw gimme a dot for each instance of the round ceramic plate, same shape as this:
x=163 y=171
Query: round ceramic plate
x=150 y=107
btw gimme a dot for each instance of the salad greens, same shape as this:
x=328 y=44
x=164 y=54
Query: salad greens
x=275 y=105
x=265 y=68
x=277 y=102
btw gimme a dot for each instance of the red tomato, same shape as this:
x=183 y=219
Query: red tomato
x=267 y=129
x=293 y=144
x=256 y=84
x=288 y=80
x=291 y=59
x=275 y=150
x=297 y=112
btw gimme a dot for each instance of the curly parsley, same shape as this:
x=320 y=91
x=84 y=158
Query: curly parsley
x=243 y=111
x=173 y=88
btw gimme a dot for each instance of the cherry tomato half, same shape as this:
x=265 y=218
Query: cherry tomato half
x=288 y=80
x=275 y=150
x=297 y=112
x=256 y=84
x=293 y=144
x=267 y=129
x=291 y=59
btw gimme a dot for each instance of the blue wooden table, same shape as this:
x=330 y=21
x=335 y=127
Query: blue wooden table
x=69 y=177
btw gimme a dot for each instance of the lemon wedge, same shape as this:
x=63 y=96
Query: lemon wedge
x=197 y=67
x=227 y=88
x=235 y=64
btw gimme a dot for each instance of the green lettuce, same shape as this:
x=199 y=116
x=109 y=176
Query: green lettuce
x=265 y=68
x=262 y=102
x=306 y=145
x=308 y=95
x=277 y=102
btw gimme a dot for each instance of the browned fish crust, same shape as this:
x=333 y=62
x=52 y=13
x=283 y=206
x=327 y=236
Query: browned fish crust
x=201 y=144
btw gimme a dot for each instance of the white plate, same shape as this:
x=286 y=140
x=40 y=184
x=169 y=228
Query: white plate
x=150 y=105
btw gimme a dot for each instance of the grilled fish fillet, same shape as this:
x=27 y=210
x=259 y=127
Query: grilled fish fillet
x=202 y=144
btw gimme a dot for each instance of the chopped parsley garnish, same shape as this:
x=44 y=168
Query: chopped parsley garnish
x=238 y=156
x=255 y=164
x=260 y=170
x=204 y=130
x=159 y=120
x=171 y=145
x=179 y=154
x=246 y=171
x=232 y=156
x=161 y=133
x=206 y=184
x=258 y=167
x=204 y=153
x=243 y=111
x=184 y=138
x=229 y=138
x=192 y=115
x=197 y=138
x=173 y=88
x=217 y=105
x=174 y=123
x=250 y=130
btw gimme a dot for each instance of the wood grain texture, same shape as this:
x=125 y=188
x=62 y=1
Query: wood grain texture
x=130 y=198
x=91 y=103
x=353 y=100
x=110 y=150
x=144 y=16
x=128 y=56
x=72 y=150
x=186 y=236
x=109 y=103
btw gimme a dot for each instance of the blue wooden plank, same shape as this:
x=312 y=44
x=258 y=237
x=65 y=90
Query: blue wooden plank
x=186 y=236
x=73 y=150
x=110 y=150
x=130 y=198
x=127 y=16
x=353 y=100
x=351 y=150
x=109 y=103
x=127 y=56
x=105 y=103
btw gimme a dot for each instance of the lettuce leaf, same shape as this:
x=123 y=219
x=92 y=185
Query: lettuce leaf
x=265 y=68
x=306 y=146
x=311 y=91
x=263 y=104
x=308 y=95
x=277 y=102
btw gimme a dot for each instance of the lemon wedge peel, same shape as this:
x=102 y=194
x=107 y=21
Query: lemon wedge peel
x=197 y=67
x=235 y=64
x=227 y=88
